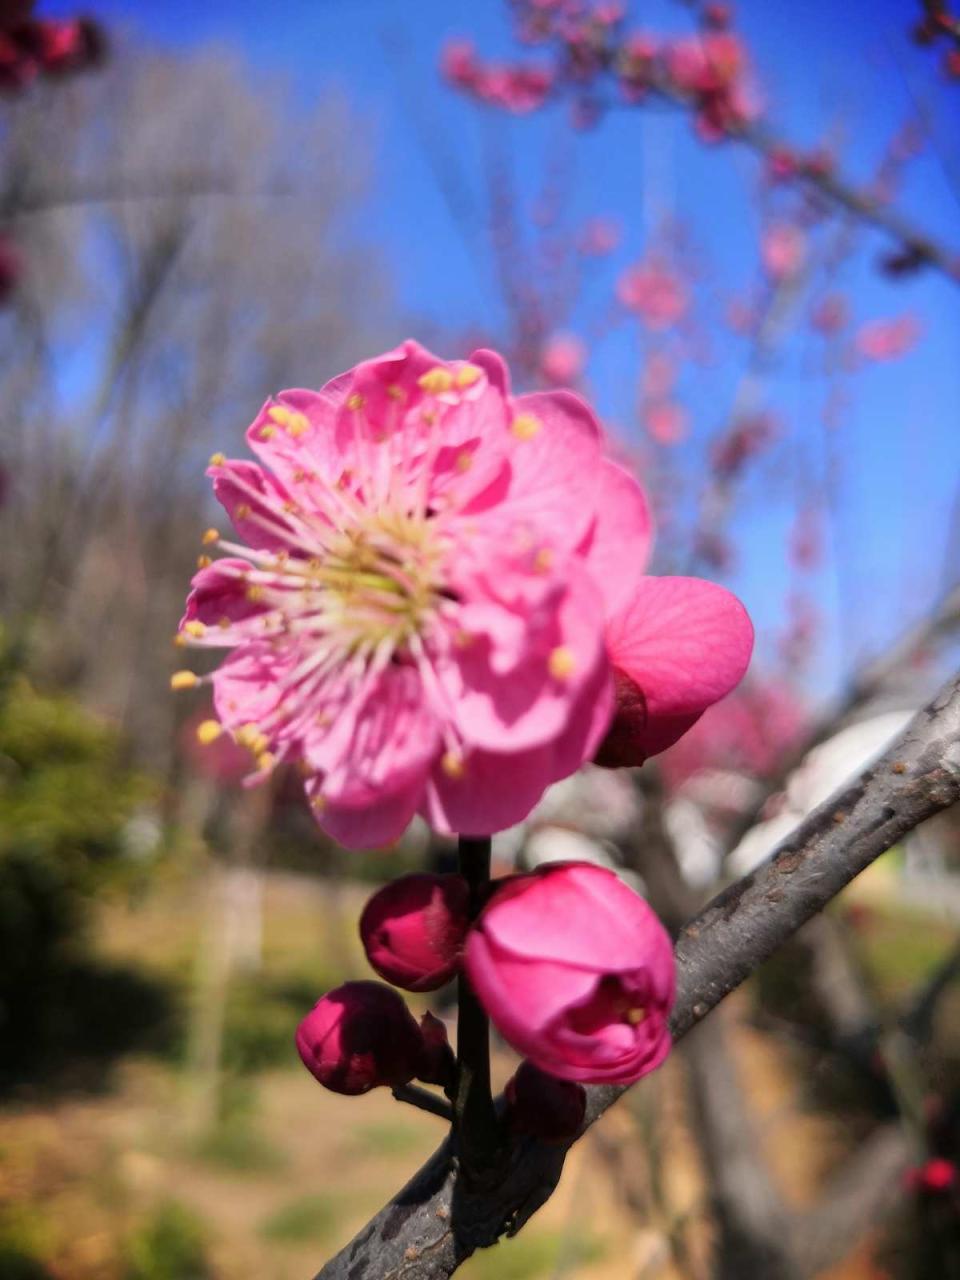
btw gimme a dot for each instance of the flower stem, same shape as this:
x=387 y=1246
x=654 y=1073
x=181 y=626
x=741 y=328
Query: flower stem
x=474 y=1118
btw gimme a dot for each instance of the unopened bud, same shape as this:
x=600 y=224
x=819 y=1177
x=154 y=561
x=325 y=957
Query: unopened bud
x=358 y=1037
x=543 y=1106
x=413 y=930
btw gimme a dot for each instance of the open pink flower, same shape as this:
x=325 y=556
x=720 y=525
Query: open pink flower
x=576 y=972
x=412 y=617
x=434 y=573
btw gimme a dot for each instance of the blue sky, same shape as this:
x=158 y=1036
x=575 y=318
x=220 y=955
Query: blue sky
x=823 y=67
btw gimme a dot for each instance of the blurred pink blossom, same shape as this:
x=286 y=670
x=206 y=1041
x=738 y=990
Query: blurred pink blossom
x=654 y=292
x=782 y=250
x=666 y=421
x=562 y=359
x=888 y=339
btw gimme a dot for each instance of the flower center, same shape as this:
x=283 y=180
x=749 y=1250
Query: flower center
x=380 y=581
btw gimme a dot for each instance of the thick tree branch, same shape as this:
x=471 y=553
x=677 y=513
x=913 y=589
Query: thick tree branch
x=436 y=1221
x=870 y=681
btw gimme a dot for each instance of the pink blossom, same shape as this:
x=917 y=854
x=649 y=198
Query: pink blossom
x=782 y=250
x=562 y=359
x=576 y=972
x=518 y=87
x=935 y=1177
x=459 y=63
x=666 y=421
x=434 y=572
x=655 y=293
x=888 y=339
x=750 y=731
x=413 y=930
x=413 y=620
x=358 y=1037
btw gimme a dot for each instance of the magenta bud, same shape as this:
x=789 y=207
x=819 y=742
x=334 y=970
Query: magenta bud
x=413 y=930
x=359 y=1036
x=438 y=1065
x=543 y=1106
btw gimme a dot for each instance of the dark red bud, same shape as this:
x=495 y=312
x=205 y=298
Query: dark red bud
x=544 y=1107
x=413 y=930
x=358 y=1037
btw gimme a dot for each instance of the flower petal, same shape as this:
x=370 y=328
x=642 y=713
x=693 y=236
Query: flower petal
x=618 y=546
x=685 y=643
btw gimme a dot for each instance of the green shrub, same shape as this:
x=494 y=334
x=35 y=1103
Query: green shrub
x=170 y=1245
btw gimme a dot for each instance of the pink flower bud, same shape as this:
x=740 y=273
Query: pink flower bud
x=413 y=930
x=359 y=1036
x=543 y=1106
x=576 y=972
x=438 y=1065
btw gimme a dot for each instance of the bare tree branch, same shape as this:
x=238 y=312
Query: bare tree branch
x=437 y=1221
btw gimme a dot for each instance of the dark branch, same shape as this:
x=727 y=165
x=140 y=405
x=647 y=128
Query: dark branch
x=424 y=1100
x=436 y=1222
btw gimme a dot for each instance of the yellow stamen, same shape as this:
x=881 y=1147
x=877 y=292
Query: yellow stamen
x=468 y=374
x=254 y=593
x=464 y=461
x=435 y=381
x=635 y=1016
x=280 y=414
x=319 y=803
x=355 y=401
x=210 y=536
x=217 y=459
x=298 y=425
x=209 y=731
x=543 y=560
x=243 y=510
x=561 y=663
x=184 y=680
x=395 y=392
x=195 y=629
x=204 y=562
x=452 y=765
x=266 y=760
x=525 y=426
x=267 y=432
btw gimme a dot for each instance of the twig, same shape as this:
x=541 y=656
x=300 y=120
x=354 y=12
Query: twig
x=438 y=1220
x=424 y=1099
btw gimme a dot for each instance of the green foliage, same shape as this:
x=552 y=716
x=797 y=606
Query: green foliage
x=170 y=1245
x=65 y=794
x=65 y=800
x=306 y=1218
